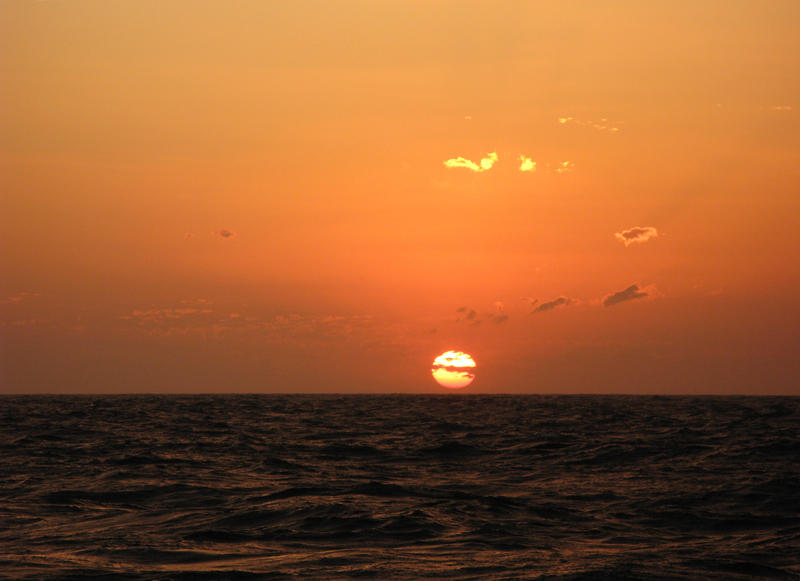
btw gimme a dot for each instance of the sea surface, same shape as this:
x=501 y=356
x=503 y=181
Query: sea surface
x=399 y=487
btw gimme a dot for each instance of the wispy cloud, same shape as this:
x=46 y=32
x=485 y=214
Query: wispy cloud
x=526 y=164
x=554 y=304
x=636 y=235
x=197 y=318
x=631 y=293
x=564 y=167
x=466 y=314
x=472 y=317
x=19 y=298
x=781 y=107
x=602 y=125
x=484 y=164
x=499 y=316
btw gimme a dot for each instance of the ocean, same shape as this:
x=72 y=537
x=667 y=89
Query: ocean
x=453 y=486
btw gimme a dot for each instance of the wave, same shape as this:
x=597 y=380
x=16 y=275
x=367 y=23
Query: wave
x=399 y=487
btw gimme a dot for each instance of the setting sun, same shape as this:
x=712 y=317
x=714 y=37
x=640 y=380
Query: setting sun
x=453 y=369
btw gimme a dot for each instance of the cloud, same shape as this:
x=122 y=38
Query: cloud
x=224 y=233
x=485 y=164
x=526 y=164
x=555 y=303
x=488 y=161
x=565 y=166
x=196 y=318
x=20 y=297
x=474 y=318
x=631 y=293
x=636 y=235
x=602 y=125
x=153 y=315
x=782 y=108
x=462 y=162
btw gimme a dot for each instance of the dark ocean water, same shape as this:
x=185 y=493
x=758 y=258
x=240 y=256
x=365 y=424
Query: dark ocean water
x=399 y=487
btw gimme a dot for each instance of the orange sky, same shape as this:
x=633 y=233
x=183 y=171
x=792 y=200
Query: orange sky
x=253 y=196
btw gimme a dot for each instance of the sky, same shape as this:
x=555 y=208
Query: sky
x=323 y=196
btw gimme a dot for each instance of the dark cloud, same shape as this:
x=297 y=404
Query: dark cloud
x=225 y=233
x=555 y=303
x=474 y=318
x=629 y=294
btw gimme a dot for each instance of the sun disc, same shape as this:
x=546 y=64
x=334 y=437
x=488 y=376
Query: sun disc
x=453 y=369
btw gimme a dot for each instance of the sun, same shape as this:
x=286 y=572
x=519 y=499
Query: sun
x=453 y=369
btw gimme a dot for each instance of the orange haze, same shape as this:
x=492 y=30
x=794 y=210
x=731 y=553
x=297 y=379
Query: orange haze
x=324 y=195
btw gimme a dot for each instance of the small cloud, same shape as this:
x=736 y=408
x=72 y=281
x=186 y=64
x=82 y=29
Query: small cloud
x=636 y=235
x=565 y=166
x=485 y=164
x=474 y=318
x=526 y=164
x=20 y=298
x=462 y=162
x=530 y=300
x=467 y=117
x=223 y=233
x=188 y=235
x=781 y=107
x=602 y=125
x=197 y=302
x=555 y=303
x=488 y=161
x=631 y=293
x=13 y=300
